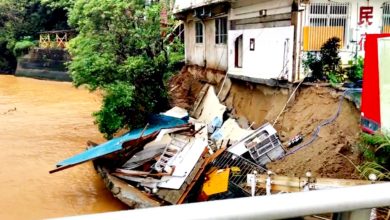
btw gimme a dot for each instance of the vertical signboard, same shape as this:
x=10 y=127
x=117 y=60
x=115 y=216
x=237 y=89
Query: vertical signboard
x=384 y=82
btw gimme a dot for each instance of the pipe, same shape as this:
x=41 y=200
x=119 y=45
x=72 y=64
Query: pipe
x=265 y=207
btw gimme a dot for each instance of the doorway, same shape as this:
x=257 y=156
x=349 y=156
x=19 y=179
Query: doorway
x=238 y=52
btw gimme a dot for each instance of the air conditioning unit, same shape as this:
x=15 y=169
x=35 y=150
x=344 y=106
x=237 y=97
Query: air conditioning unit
x=202 y=12
x=263 y=145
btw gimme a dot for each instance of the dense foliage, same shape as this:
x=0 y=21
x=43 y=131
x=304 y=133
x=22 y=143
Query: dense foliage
x=376 y=152
x=326 y=64
x=21 y=20
x=355 y=71
x=121 y=51
x=121 y=48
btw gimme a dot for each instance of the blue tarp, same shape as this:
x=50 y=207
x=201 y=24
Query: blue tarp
x=156 y=123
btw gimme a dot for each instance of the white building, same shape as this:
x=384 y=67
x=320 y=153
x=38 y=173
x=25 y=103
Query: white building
x=264 y=40
x=349 y=20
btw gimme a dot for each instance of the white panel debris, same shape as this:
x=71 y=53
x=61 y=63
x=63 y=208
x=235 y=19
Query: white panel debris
x=213 y=110
x=230 y=130
x=184 y=162
x=176 y=112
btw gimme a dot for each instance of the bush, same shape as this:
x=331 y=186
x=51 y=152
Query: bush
x=330 y=54
x=327 y=64
x=314 y=63
x=355 y=72
x=22 y=47
x=376 y=152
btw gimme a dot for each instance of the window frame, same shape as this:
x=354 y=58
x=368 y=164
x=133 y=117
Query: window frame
x=221 y=30
x=199 y=29
x=323 y=16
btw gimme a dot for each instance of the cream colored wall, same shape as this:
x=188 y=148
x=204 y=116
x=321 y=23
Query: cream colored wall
x=214 y=54
x=250 y=8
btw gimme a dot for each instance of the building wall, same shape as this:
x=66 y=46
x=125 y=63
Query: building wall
x=245 y=14
x=271 y=57
x=182 y=5
x=355 y=33
x=268 y=22
x=213 y=55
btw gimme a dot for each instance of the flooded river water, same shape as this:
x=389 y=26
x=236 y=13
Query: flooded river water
x=41 y=123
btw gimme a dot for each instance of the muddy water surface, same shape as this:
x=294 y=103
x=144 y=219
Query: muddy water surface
x=41 y=123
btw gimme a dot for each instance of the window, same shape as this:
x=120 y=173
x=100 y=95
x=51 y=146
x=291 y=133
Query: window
x=198 y=32
x=221 y=30
x=325 y=20
x=386 y=18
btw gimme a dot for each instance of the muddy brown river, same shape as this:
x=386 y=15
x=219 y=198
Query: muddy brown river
x=41 y=123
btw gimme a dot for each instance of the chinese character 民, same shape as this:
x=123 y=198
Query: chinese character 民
x=366 y=14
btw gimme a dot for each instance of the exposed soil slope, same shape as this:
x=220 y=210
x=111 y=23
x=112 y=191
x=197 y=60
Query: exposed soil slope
x=257 y=104
x=323 y=157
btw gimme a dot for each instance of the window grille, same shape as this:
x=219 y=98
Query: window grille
x=386 y=18
x=198 y=32
x=221 y=30
x=325 y=20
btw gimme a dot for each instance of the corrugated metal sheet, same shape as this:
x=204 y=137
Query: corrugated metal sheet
x=315 y=37
x=156 y=123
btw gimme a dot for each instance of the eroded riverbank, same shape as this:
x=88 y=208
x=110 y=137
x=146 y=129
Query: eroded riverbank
x=41 y=123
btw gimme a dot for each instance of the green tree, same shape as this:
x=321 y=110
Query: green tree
x=22 y=19
x=120 y=50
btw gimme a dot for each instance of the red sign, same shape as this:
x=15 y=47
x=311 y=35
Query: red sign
x=366 y=14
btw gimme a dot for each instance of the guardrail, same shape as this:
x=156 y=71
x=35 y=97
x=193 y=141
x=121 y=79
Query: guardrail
x=357 y=200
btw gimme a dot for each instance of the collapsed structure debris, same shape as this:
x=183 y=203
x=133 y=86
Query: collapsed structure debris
x=176 y=158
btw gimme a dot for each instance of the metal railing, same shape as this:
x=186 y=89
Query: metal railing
x=357 y=200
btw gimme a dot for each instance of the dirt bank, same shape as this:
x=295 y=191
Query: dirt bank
x=257 y=104
x=184 y=87
x=323 y=157
x=41 y=123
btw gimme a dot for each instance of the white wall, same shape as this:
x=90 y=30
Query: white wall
x=266 y=61
x=244 y=9
x=181 y=5
x=384 y=82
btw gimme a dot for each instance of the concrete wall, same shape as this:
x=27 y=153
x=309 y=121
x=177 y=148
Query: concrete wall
x=44 y=64
x=245 y=14
x=213 y=56
x=268 y=22
x=182 y=5
x=272 y=55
